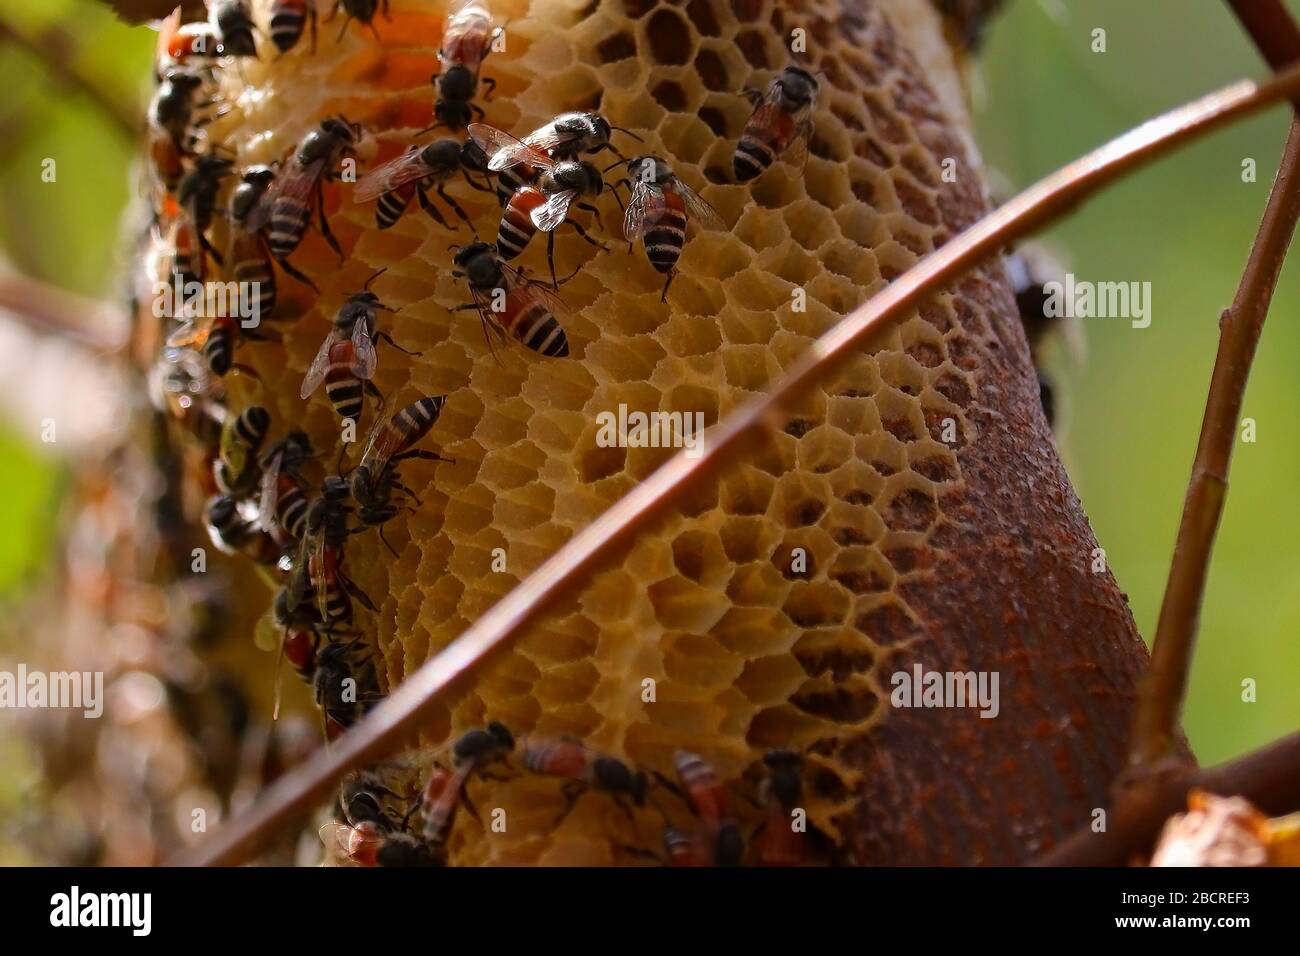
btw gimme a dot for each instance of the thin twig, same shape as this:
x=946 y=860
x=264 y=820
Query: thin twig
x=1160 y=701
x=53 y=49
x=1269 y=778
x=53 y=311
x=415 y=700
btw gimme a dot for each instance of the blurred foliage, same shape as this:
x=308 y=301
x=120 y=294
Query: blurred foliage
x=1133 y=411
x=65 y=232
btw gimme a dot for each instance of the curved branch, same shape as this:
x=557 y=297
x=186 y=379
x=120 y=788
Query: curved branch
x=1160 y=701
x=401 y=714
x=1269 y=778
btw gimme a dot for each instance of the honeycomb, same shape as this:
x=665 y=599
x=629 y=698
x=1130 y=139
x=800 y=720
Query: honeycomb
x=913 y=511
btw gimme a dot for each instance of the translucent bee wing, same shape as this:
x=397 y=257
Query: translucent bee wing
x=501 y=149
x=644 y=208
x=338 y=837
x=364 y=360
x=191 y=334
x=548 y=137
x=319 y=366
x=391 y=175
x=796 y=154
x=375 y=457
x=699 y=211
x=295 y=183
x=269 y=492
x=766 y=115
x=548 y=217
x=299 y=583
x=319 y=576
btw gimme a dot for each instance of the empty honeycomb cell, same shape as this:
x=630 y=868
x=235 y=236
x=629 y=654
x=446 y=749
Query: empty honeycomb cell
x=698 y=555
x=838 y=652
x=749 y=367
x=863 y=571
x=848 y=702
x=745 y=538
x=816 y=604
x=670 y=38
x=953 y=387
x=844 y=257
x=747 y=491
x=753 y=584
x=598 y=463
x=936 y=466
x=906 y=559
x=714 y=69
x=693 y=660
x=747 y=326
x=670 y=96
x=768 y=680
x=912 y=509
x=617 y=46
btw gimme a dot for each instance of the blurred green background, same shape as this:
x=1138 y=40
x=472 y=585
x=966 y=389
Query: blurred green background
x=1132 y=411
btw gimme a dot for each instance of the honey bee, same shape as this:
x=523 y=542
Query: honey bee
x=347 y=360
x=232 y=533
x=183 y=43
x=369 y=844
x=718 y=842
x=287 y=20
x=510 y=304
x=299 y=190
x=281 y=501
x=657 y=213
x=218 y=335
x=236 y=470
x=476 y=748
x=779 y=844
x=780 y=124
x=248 y=253
x=344 y=685
x=318 y=569
x=363 y=11
x=175 y=106
x=583 y=768
x=391 y=441
x=519 y=162
x=466 y=43
x=411 y=174
x=196 y=195
x=299 y=646
x=234 y=25
x=165 y=161
x=559 y=184
x=438 y=802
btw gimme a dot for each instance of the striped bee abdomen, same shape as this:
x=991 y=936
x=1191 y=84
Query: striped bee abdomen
x=664 y=240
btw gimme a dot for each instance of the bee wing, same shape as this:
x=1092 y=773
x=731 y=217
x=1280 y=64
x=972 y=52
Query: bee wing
x=294 y=183
x=540 y=290
x=698 y=210
x=549 y=216
x=191 y=334
x=316 y=571
x=502 y=149
x=232 y=450
x=389 y=176
x=487 y=315
x=644 y=208
x=376 y=454
x=319 y=366
x=797 y=152
x=547 y=138
x=242 y=246
x=364 y=360
x=338 y=837
x=300 y=581
x=269 y=492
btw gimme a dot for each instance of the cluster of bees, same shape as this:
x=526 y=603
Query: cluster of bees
x=381 y=823
x=262 y=504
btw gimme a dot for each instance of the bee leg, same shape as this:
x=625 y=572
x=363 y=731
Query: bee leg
x=571 y=791
x=391 y=549
x=455 y=207
x=421 y=453
x=373 y=390
x=472 y=810
x=751 y=94
x=478 y=111
x=583 y=232
x=389 y=339
x=427 y=205
x=476 y=185
x=487 y=81
x=550 y=257
x=596 y=212
x=207 y=247
x=355 y=591
x=663 y=296
x=312 y=16
x=387 y=15
x=670 y=786
x=622 y=805
x=343 y=450
x=324 y=221
x=408 y=492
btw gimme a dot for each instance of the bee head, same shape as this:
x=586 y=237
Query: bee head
x=442 y=154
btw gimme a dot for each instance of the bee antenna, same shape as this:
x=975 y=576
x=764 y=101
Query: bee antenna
x=366 y=287
x=621 y=162
x=628 y=132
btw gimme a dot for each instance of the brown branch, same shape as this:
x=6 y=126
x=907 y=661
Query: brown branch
x=54 y=49
x=1160 y=701
x=413 y=702
x=53 y=311
x=1269 y=778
